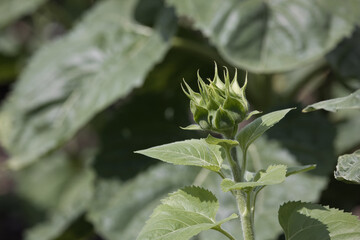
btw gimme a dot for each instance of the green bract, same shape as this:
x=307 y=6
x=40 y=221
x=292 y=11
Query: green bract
x=219 y=106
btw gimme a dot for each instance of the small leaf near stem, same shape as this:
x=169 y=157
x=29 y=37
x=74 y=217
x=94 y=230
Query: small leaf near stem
x=228 y=235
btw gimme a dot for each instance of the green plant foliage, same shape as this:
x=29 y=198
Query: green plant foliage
x=183 y=214
x=258 y=127
x=226 y=143
x=193 y=152
x=10 y=10
x=64 y=187
x=116 y=218
x=262 y=154
x=305 y=221
x=346 y=9
x=348 y=168
x=349 y=102
x=105 y=53
x=249 y=33
x=274 y=174
x=300 y=169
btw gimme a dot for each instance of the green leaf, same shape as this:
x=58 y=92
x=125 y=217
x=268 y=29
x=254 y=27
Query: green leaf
x=182 y=215
x=346 y=140
x=259 y=126
x=120 y=210
x=102 y=60
x=64 y=188
x=306 y=221
x=10 y=10
x=248 y=33
x=192 y=127
x=226 y=143
x=348 y=168
x=349 y=102
x=274 y=174
x=347 y=10
x=194 y=152
x=299 y=169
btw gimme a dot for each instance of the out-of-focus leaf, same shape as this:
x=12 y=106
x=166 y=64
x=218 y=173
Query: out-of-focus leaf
x=346 y=140
x=194 y=152
x=133 y=125
x=348 y=168
x=345 y=58
x=349 y=102
x=10 y=10
x=267 y=36
x=309 y=137
x=182 y=215
x=258 y=127
x=119 y=211
x=306 y=221
x=274 y=174
x=63 y=186
x=346 y=9
x=101 y=60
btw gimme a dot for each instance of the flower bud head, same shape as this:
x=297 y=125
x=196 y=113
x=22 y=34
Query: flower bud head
x=220 y=105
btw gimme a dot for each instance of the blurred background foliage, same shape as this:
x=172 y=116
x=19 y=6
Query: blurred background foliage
x=84 y=83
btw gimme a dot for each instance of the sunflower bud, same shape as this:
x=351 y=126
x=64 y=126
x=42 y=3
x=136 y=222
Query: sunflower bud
x=219 y=106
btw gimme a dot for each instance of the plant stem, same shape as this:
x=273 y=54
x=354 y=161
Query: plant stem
x=243 y=198
x=234 y=166
x=243 y=165
x=225 y=233
x=244 y=206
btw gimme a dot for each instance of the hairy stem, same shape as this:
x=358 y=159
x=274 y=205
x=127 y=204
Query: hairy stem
x=244 y=206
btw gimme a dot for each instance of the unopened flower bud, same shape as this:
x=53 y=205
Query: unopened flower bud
x=219 y=106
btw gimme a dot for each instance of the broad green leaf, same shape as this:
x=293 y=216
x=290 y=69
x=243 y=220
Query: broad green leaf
x=349 y=102
x=63 y=187
x=348 y=168
x=226 y=143
x=10 y=10
x=119 y=211
x=347 y=9
x=182 y=215
x=248 y=33
x=299 y=169
x=307 y=221
x=258 y=127
x=194 y=152
x=106 y=56
x=274 y=174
